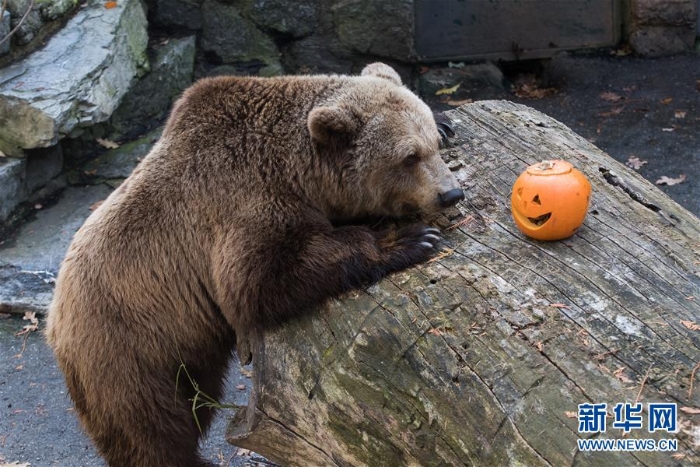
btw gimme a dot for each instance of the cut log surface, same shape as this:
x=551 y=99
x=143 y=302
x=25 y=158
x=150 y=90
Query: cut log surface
x=482 y=356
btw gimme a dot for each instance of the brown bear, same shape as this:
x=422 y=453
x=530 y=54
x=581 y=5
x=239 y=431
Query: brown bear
x=238 y=220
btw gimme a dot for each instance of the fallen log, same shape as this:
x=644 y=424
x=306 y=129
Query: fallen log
x=482 y=356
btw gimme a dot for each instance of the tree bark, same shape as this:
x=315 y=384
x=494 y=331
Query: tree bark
x=481 y=356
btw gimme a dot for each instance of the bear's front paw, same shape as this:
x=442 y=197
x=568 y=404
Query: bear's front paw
x=409 y=245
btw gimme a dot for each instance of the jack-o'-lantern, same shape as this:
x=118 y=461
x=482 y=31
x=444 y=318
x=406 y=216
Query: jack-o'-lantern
x=550 y=200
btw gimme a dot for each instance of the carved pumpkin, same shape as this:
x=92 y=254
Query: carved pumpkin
x=550 y=200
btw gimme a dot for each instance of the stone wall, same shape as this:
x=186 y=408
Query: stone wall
x=662 y=27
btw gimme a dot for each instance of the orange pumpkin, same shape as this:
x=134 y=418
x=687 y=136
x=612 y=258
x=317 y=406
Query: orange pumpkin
x=550 y=200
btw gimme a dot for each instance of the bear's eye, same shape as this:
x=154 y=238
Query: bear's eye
x=411 y=160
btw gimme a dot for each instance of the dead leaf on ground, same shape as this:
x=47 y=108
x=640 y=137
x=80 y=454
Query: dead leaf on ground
x=679 y=114
x=246 y=372
x=635 y=163
x=451 y=90
x=109 y=144
x=620 y=374
x=610 y=96
x=570 y=414
x=434 y=332
x=622 y=51
x=459 y=102
x=110 y=5
x=33 y=323
x=241 y=387
x=559 y=305
x=16 y=464
x=664 y=180
x=690 y=410
x=668 y=130
x=691 y=325
x=666 y=101
x=630 y=88
x=532 y=91
x=96 y=204
x=612 y=112
x=678 y=456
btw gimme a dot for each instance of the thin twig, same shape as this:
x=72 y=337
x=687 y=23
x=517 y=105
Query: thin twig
x=9 y=34
x=636 y=399
x=692 y=377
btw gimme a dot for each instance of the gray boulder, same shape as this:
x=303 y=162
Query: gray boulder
x=296 y=19
x=381 y=28
x=77 y=79
x=12 y=188
x=151 y=97
x=233 y=39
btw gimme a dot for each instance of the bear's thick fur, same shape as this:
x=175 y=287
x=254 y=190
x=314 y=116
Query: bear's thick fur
x=226 y=228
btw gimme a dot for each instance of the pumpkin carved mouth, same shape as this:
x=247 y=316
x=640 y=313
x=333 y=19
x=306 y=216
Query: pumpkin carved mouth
x=540 y=220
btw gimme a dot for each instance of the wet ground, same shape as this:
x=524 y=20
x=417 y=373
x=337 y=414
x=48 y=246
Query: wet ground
x=629 y=107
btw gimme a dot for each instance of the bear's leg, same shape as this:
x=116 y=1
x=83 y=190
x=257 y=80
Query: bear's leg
x=147 y=423
x=281 y=275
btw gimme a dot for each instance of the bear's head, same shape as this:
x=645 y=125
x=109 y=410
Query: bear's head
x=382 y=145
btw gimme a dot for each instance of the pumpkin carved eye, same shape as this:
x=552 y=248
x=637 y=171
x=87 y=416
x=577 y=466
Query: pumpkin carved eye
x=411 y=160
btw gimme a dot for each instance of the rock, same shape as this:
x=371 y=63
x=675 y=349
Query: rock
x=318 y=54
x=657 y=41
x=77 y=79
x=384 y=29
x=150 y=98
x=666 y=13
x=178 y=14
x=30 y=259
x=32 y=23
x=13 y=190
x=234 y=39
x=295 y=19
x=42 y=165
x=53 y=9
x=40 y=244
x=5 y=29
x=120 y=162
x=22 y=291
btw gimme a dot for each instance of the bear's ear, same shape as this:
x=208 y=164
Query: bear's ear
x=329 y=124
x=380 y=70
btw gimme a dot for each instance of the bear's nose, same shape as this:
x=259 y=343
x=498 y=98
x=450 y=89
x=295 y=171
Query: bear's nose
x=452 y=197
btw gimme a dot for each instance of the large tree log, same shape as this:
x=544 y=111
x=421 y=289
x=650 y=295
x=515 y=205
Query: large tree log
x=482 y=356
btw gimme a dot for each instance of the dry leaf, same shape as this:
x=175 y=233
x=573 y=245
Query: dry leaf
x=33 y=323
x=680 y=114
x=107 y=143
x=635 y=163
x=668 y=130
x=664 y=180
x=540 y=346
x=460 y=102
x=569 y=414
x=19 y=367
x=610 y=96
x=690 y=410
x=691 y=325
x=615 y=111
x=668 y=100
x=246 y=372
x=619 y=374
x=434 y=332
x=241 y=387
x=559 y=305
x=532 y=91
x=678 y=456
x=90 y=173
x=96 y=204
x=110 y=5
x=451 y=90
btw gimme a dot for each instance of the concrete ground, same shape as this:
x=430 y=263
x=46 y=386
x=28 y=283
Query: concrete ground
x=646 y=108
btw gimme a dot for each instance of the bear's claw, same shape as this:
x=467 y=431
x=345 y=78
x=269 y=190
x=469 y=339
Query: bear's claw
x=444 y=127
